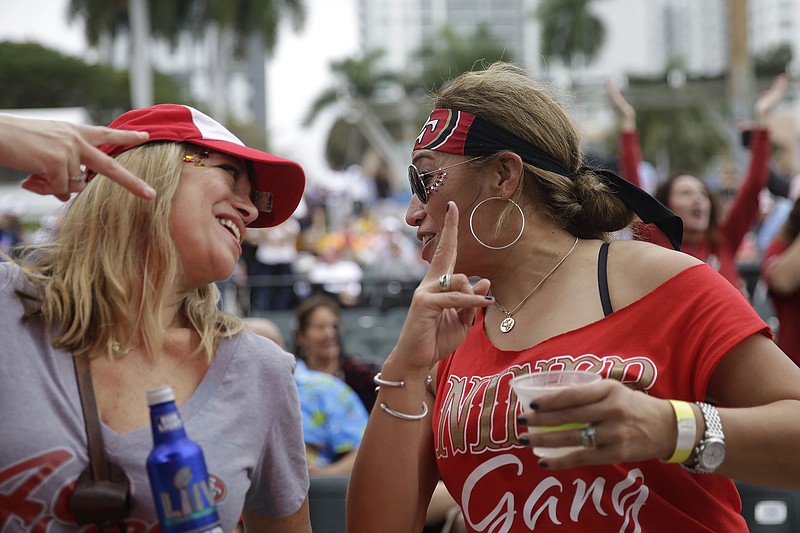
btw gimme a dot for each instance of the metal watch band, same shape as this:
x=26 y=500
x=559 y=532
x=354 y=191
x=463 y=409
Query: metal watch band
x=713 y=437
x=712 y=420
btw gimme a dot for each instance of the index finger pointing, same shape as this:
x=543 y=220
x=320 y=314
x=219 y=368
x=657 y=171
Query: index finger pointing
x=444 y=258
x=97 y=135
x=110 y=167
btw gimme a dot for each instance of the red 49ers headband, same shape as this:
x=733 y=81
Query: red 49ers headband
x=457 y=132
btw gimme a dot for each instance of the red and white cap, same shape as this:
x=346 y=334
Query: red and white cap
x=279 y=178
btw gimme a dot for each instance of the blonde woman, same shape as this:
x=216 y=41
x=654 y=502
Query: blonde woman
x=128 y=284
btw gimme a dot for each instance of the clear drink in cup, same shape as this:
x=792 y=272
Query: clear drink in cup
x=531 y=386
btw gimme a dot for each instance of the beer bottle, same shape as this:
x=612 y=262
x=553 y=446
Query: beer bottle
x=183 y=497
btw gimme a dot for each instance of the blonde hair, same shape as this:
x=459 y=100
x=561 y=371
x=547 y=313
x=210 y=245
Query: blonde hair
x=504 y=95
x=113 y=265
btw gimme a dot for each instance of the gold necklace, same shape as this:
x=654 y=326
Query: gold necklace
x=117 y=348
x=508 y=322
x=121 y=351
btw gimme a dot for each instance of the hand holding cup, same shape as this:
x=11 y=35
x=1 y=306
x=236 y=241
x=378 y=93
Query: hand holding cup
x=530 y=386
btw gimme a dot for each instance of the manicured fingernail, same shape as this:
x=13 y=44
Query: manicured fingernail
x=534 y=406
x=521 y=421
x=544 y=465
x=524 y=440
x=150 y=192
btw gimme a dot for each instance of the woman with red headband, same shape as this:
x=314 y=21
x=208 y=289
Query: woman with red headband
x=525 y=278
x=124 y=295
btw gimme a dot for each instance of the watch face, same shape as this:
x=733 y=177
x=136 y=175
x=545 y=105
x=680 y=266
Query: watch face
x=712 y=454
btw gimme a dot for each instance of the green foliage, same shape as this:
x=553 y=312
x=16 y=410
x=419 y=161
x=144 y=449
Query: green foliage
x=345 y=144
x=101 y=18
x=356 y=77
x=36 y=77
x=683 y=129
x=687 y=135
x=250 y=134
x=569 y=30
x=362 y=86
x=773 y=61
x=451 y=54
x=170 y=18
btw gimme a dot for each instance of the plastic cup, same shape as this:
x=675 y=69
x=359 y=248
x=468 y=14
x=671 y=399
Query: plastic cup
x=531 y=386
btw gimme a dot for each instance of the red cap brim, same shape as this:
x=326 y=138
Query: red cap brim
x=283 y=178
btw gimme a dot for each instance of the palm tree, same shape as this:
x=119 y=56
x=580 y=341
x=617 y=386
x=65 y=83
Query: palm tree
x=383 y=110
x=452 y=53
x=356 y=78
x=239 y=18
x=570 y=32
x=228 y=26
x=367 y=117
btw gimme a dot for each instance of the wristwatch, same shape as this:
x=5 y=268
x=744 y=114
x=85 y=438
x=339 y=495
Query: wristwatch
x=710 y=453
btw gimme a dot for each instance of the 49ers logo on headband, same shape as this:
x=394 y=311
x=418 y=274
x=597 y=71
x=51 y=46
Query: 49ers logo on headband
x=445 y=131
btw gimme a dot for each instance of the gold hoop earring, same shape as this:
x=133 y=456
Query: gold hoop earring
x=472 y=229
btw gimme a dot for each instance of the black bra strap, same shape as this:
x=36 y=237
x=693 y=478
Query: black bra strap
x=602 y=279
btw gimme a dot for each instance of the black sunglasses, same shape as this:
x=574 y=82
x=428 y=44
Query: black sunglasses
x=417 y=179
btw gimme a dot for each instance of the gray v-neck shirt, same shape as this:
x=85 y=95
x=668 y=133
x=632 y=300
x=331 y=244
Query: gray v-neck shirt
x=245 y=414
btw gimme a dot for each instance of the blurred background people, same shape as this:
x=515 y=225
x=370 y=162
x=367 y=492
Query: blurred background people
x=272 y=274
x=337 y=275
x=780 y=269
x=333 y=416
x=708 y=235
x=11 y=232
x=318 y=342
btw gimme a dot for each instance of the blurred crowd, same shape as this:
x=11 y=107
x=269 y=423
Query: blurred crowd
x=347 y=240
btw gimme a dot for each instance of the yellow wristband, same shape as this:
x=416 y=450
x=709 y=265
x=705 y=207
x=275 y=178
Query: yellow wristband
x=687 y=431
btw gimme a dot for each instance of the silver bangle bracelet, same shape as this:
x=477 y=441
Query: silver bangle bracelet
x=404 y=416
x=379 y=381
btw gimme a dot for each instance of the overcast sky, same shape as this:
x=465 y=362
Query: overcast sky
x=297 y=73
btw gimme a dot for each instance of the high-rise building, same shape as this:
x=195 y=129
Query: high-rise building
x=643 y=37
x=402 y=27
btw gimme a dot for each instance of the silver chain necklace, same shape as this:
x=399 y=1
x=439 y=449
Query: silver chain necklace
x=508 y=322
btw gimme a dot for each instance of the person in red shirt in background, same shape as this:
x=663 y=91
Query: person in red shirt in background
x=780 y=269
x=706 y=234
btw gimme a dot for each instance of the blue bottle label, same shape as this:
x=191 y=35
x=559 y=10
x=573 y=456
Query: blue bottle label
x=183 y=496
x=169 y=421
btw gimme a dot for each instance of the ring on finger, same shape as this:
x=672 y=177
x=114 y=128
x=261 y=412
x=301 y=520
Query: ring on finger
x=81 y=178
x=589 y=436
x=444 y=282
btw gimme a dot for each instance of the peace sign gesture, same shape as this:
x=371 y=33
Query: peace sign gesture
x=444 y=305
x=53 y=152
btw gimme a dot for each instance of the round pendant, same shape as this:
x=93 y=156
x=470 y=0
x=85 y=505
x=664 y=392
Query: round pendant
x=507 y=324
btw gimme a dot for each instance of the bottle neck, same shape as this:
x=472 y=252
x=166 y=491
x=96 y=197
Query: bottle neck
x=166 y=423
